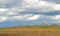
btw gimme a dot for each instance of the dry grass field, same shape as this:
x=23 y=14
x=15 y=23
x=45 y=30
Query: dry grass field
x=30 y=31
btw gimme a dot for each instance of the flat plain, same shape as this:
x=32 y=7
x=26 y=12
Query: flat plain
x=30 y=31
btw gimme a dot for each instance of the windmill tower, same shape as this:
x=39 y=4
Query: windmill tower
x=44 y=23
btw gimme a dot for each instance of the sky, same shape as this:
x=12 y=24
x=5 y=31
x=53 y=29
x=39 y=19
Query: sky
x=29 y=12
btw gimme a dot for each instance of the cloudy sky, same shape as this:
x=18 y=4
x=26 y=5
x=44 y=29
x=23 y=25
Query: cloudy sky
x=29 y=12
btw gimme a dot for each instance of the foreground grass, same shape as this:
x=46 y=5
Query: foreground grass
x=31 y=31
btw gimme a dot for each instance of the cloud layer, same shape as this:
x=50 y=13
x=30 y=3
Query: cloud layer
x=29 y=10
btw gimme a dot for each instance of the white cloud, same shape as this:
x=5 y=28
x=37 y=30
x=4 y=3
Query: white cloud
x=3 y=18
x=35 y=17
x=56 y=17
x=26 y=5
x=27 y=17
x=31 y=4
x=37 y=5
x=2 y=9
x=11 y=11
x=21 y=17
x=57 y=7
x=40 y=5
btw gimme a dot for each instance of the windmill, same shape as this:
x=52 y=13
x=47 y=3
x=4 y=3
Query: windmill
x=44 y=23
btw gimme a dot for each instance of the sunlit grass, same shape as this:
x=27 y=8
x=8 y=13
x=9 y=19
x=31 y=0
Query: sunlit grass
x=30 y=31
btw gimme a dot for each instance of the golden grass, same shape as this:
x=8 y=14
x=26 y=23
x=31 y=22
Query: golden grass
x=30 y=31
